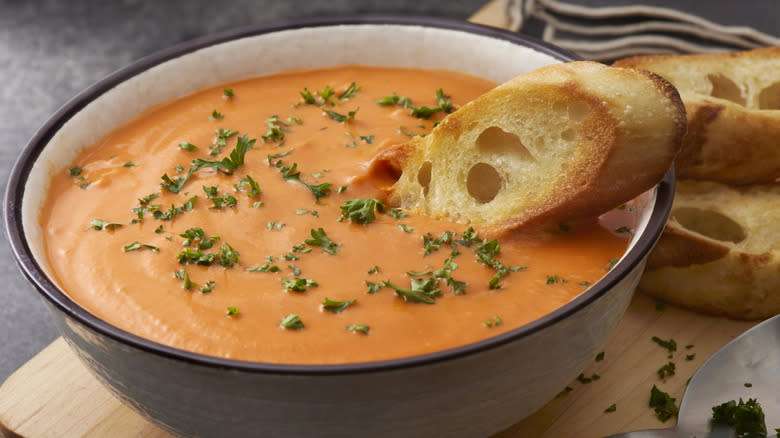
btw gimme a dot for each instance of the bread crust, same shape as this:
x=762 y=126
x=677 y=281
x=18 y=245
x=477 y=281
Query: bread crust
x=565 y=141
x=729 y=268
x=733 y=106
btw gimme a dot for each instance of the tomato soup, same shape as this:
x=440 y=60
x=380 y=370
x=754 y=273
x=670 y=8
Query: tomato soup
x=229 y=223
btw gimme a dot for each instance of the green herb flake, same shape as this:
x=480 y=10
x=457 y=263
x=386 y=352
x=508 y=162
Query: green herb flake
x=336 y=306
x=319 y=238
x=350 y=92
x=298 y=284
x=228 y=92
x=216 y=115
x=405 y=228
x=275 y=225
x=422 y=291
x=75 y=171
x=367 y=138
x=159 y=230
x=99 y=224
x=184 y=276
x=232 y=311
x=396 y=213
x=356 y=328
x=747 y=418
x=374 y=270
x=600 y=357
x=670 y=345
x=611 y=408
x=187 y=146
x=208 y=287
x=690 y=356
x=85 y=185
x=361 y=211
x=666 y=370
x=134 y=246
x=373 y=287
x=292 y=322
x=663 y=404
x=268 y=267
x=129 y=164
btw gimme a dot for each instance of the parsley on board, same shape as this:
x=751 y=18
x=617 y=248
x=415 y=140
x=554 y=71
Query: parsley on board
x=670 y=345
x=666 y=370
x=663 y=404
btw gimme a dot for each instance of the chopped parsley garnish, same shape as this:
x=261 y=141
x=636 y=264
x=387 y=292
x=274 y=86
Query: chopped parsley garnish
x=228 y=164
x=206 y=288
x=134 y=246
x=611 y=408
x=361 y=211
x=405 y=228
x=690 y=356
x=340 y=117
x=350 y=92
x=188 y=284
x=85 y=185
x=232 y=311
x=373 y=270
x=276 y=129
x=174 y=185
x=159 y=230
x=458 y=287
x=663 y=404
x=216 y=115
x=612 y=263
x=197 y=235
x=423 y=112
x=293 y=174
x=187 y=146
x=129 y=164
x=373 y=287
x=494 y=322
x=74 y=171
x=298 y=284
x=600 y=357
x=359 y=328
x=397 y=213
x=747 y=418
x=367 y=138
x=666 y=370
x=250 y=185
x=275 y=225
x=336 y=306
x=670 y=345
x=292 y=322
x=228 y=92
x=100 y=225
x=227 y=256
x=221 y=140
x=422 y=291
x=268 y=267
x=319 y=238
x=585 y=380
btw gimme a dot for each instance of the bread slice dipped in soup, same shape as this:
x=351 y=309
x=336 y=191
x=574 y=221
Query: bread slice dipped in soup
x=357 y=213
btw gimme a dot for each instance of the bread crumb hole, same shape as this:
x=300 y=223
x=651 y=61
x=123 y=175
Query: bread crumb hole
x=568 y=135
x=424 y=176
x=495 y=140
x=725 y=88
x=709 y=223
x=769 y=97
x=579 y=111
x=483 y=182
x=560 y=108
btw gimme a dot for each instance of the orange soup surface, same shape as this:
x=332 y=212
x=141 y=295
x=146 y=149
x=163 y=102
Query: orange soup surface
x=228 y=222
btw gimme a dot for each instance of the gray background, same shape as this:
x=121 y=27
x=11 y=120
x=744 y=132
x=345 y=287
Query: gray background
x=51 y=50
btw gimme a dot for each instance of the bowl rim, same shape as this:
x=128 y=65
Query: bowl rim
x=15 y=189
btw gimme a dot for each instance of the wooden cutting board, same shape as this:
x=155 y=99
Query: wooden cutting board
x=53 y=395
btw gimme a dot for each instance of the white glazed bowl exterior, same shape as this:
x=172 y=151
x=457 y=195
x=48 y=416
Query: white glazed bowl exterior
x=474 y=390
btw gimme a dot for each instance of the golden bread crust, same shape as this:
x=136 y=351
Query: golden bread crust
x=733 y=106
x=565 y=141
x=720 y=251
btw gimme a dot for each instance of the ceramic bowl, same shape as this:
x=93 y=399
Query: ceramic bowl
x=473 y=390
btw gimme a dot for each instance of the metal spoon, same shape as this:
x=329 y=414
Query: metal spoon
x=747 y=367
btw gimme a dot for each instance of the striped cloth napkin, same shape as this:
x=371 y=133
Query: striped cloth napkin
x=605 y=30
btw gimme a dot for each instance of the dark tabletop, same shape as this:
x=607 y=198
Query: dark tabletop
x=51 y=50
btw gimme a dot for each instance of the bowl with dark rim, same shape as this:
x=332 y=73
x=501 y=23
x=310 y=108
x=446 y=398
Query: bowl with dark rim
x=472 y=390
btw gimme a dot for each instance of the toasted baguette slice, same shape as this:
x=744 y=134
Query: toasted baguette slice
x=733 y=106
x=565 y=141
x=720 y=251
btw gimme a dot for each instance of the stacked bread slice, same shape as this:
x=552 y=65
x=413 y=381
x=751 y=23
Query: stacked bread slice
x=720 y=252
